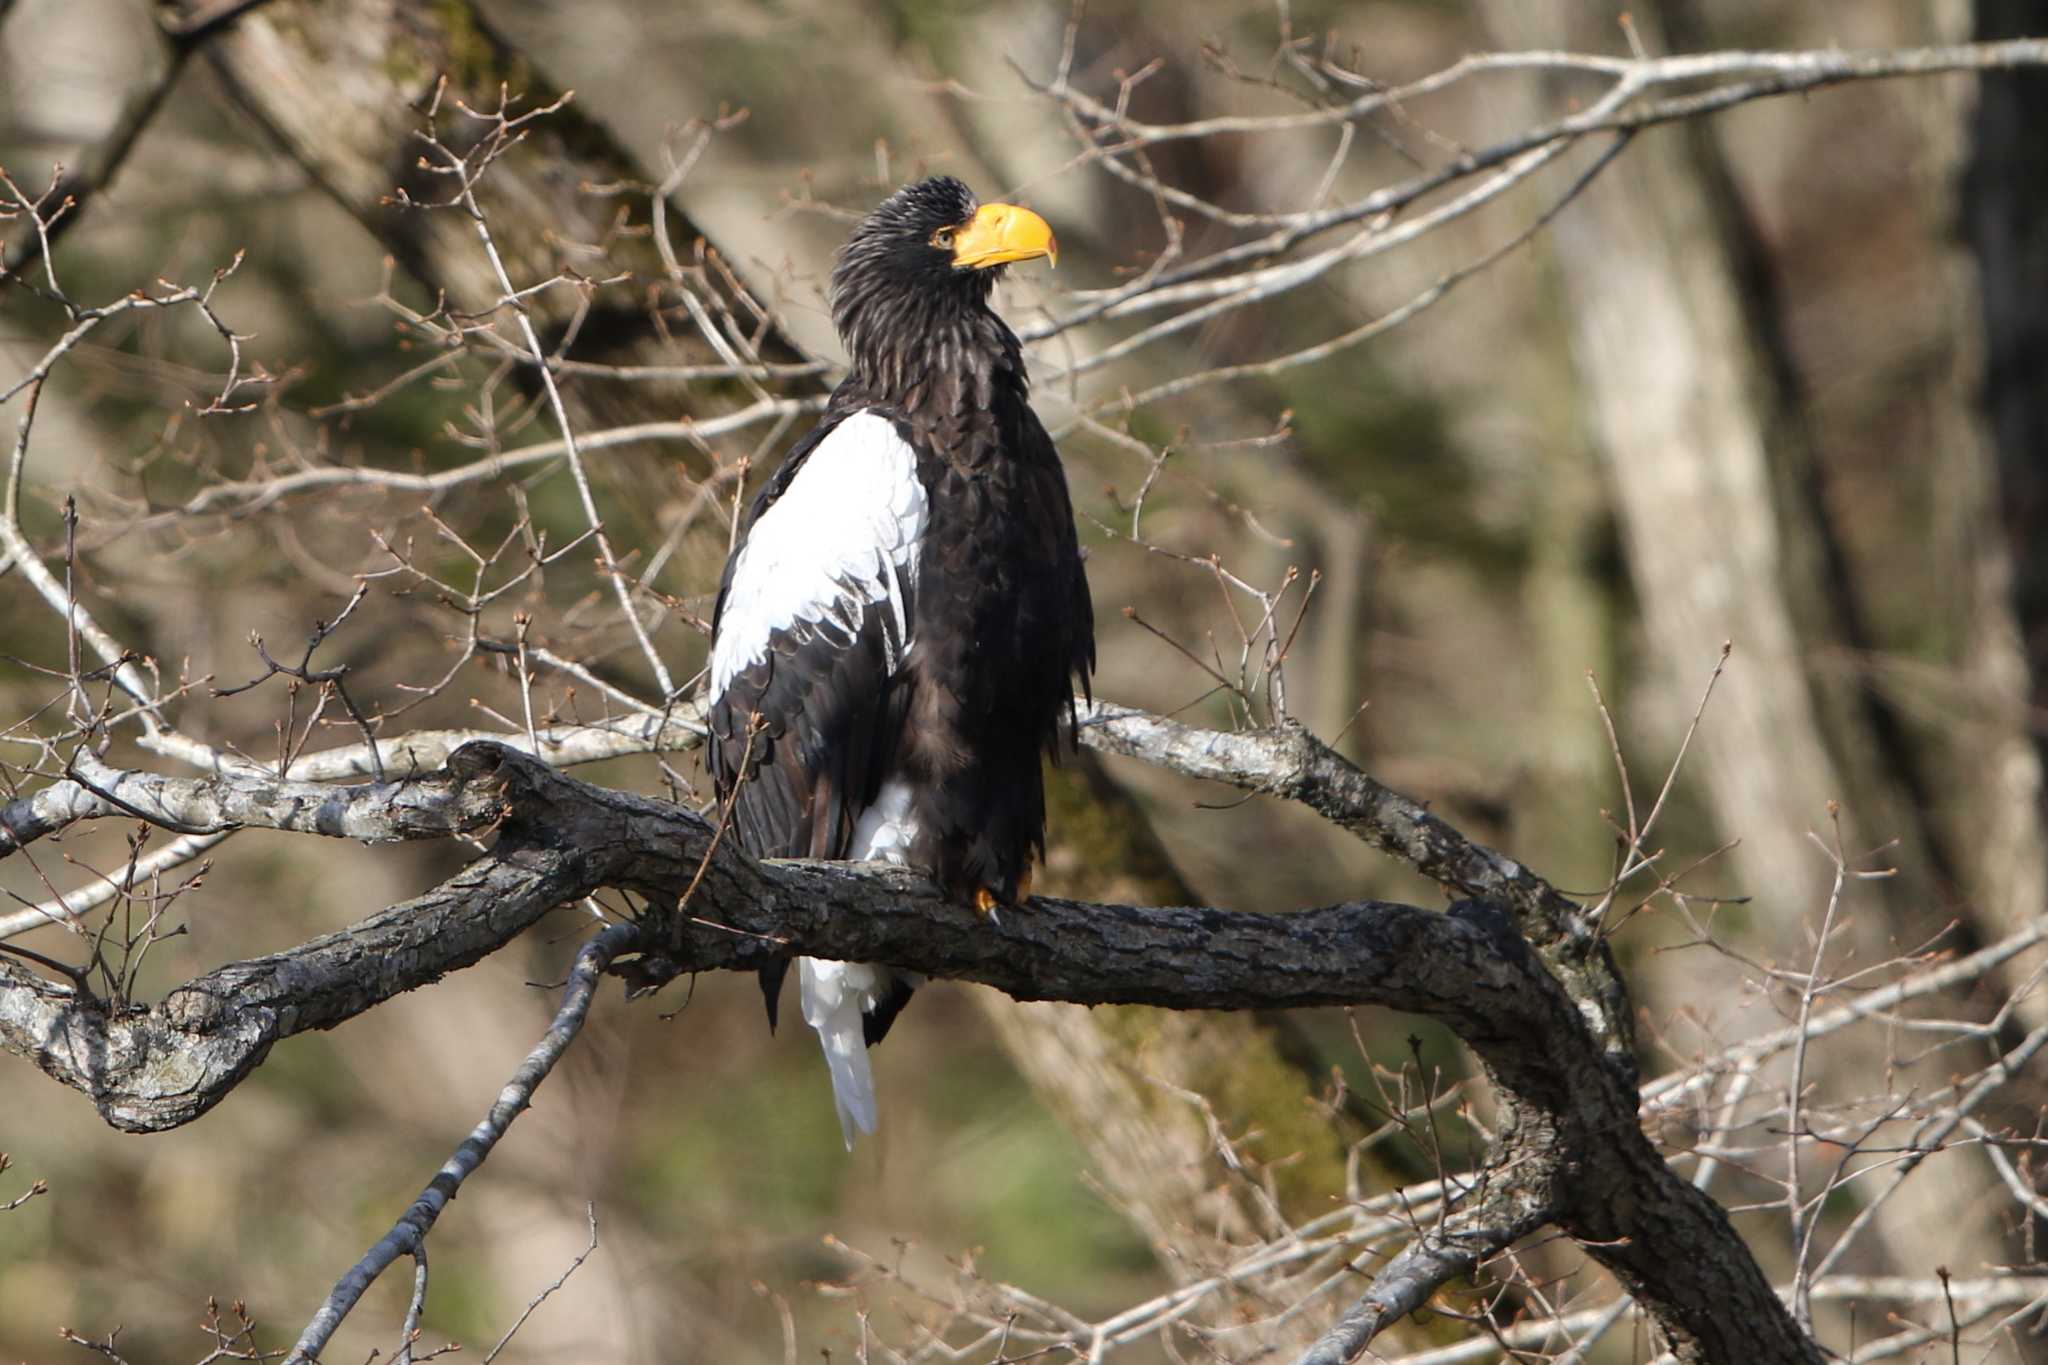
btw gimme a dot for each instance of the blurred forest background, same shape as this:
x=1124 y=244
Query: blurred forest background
x=1750 y=387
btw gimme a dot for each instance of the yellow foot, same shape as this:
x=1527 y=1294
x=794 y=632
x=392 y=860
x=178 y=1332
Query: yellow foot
x=986 y=902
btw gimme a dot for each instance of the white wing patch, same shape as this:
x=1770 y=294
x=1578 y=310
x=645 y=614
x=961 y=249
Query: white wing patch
x=843 y=536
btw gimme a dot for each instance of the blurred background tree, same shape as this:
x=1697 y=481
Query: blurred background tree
x=1774 y=379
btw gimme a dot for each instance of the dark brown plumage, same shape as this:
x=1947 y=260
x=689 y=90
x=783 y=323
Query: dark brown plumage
x=907 y=611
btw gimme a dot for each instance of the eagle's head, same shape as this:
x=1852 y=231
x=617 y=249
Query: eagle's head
x=910 y=290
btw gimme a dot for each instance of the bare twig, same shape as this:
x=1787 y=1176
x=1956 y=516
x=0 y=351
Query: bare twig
x=409 y=1234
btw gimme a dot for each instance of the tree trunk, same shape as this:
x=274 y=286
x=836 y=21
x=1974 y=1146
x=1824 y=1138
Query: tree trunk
x=1692 y=395
x=2004 y=206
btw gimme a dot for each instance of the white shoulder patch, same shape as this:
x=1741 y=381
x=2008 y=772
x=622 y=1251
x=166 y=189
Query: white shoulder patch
x=845 y=535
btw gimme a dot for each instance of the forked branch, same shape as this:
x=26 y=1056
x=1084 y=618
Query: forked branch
x=1570 y=1151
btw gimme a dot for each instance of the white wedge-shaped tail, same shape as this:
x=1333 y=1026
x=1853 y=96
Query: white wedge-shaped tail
x=835 y=995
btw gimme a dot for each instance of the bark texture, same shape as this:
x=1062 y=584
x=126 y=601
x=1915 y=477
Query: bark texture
x=1569 y=1150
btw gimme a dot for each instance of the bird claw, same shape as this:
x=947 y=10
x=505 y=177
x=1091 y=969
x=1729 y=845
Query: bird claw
x=987 y=903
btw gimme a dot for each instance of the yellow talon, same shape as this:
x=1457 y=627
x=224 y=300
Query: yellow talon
x=987 y=902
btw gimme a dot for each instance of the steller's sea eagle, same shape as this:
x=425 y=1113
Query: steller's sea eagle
x=906 y=611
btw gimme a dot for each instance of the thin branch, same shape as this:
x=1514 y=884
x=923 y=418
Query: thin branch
x=408 y=1235
x=1425 y=1265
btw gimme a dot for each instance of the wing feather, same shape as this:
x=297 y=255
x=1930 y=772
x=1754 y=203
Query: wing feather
x=811 y=629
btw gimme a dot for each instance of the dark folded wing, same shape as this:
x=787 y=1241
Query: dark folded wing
x=810 y=631
x=1072 y=634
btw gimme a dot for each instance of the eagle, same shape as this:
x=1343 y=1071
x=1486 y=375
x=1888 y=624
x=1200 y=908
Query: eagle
x=904 y=619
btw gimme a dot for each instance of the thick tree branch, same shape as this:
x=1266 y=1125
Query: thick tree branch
x=560 y=839
x=430 y=807
x=1293 y=764
x=53 y=808
x=1570 y=1149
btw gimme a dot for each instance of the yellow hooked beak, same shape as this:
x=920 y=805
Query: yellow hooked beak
x=1001 y=233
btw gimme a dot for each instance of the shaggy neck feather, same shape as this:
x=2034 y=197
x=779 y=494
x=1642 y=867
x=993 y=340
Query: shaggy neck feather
x=927 y=347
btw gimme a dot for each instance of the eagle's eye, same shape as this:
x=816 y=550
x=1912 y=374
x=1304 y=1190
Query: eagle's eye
x=943 y=239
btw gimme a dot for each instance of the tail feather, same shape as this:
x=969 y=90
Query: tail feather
x=894 y=995
x=836 y=996
x=771 y=987
x=852 y=1004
